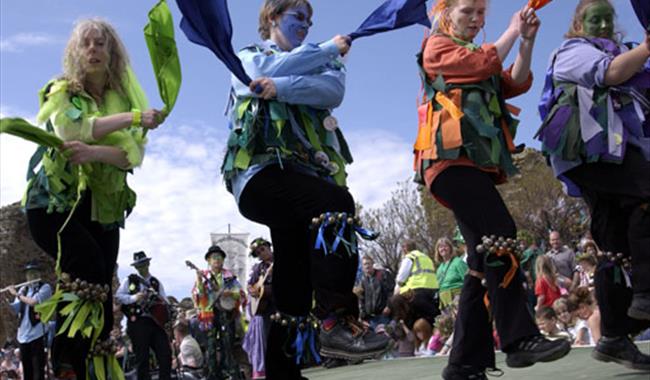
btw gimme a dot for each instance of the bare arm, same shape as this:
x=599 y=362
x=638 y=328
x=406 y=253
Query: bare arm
x=81 y=153
x=624 y=66
x=28 y=300
x=540 y=301
x=594 y=325
x=529 y=26
x=507 y=40
x=104 y=125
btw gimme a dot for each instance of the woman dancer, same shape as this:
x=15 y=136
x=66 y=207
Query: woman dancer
x=463 y=149
x=285 y=166
x=596 y=133
x=98 y=108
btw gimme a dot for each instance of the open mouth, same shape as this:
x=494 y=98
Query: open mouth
x=94 y=61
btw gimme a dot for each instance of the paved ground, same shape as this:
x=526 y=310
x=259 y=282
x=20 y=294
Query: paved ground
x=577 y=365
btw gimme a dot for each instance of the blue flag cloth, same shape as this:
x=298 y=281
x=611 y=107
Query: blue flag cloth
x=207 y=23
x=394 y=14
x=642 y=9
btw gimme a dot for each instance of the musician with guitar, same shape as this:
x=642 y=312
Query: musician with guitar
x=261 y=306
x=217 y=295
x=144 y=303
x=31 y=331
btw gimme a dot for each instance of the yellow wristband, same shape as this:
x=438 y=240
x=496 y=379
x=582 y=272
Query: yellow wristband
x=136 y=121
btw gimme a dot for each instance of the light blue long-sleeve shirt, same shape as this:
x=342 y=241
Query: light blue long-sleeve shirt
x=26 y=331
x=307 y=75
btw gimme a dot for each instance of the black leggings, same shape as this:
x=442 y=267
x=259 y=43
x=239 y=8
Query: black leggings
x=479 y=211
x=286 y=201
x=89 y=252
x=618 y=196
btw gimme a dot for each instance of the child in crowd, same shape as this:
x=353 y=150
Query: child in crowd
x=423 y=332
x=565 y=320
x=548 y=324
x=546 y=287
x=403 y=337
x=584 y=276
x=443 y=330
x=582 y=305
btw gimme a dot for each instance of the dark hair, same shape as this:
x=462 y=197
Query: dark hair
x=546 y=313
x=410 y=245
x=579 y=296
x=273 y=8
x=182 y=327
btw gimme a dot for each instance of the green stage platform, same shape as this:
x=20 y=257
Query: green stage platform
x=577 y=365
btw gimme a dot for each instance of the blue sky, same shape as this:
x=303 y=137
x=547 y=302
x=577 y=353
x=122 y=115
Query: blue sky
x=181 y=196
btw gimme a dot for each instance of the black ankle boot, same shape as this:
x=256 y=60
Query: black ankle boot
x=463 y=372
x=346 y=341
x=534 y=349
x=621 y=350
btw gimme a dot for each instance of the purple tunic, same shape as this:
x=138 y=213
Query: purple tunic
x=606 y=124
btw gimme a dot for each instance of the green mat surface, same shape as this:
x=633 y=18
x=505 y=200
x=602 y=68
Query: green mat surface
x=577 y=365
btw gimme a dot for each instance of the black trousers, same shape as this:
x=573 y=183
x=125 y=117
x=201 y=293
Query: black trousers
x=618 y=196
x=479 y=210
x=89 y=252
x=286 y=201
x=32 y=356
x=145 y=334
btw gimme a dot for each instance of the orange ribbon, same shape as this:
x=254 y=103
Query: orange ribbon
x=450 y=118
x=537 y=4
x=507 y=279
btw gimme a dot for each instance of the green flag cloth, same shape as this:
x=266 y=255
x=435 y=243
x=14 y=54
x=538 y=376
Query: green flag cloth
x=21 y=128
x=159 y=35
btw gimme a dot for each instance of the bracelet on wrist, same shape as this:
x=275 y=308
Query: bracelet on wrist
x=136 y=120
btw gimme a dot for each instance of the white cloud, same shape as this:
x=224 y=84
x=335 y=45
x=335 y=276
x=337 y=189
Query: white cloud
x=19 y=42
x=381 y=159
x=181 y=197
x=14 y=156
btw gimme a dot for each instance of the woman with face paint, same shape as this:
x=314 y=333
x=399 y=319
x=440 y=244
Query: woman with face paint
x=596 y=133
x=462 y=151
x=285 y=166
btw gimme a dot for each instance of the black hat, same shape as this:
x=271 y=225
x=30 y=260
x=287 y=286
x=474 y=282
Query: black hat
x=33 y=265
x=214 y=249
x=140 y=258
x=260 y=241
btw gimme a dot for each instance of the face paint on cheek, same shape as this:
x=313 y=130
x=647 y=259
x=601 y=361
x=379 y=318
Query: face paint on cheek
x=294 y=30
x=599 y=21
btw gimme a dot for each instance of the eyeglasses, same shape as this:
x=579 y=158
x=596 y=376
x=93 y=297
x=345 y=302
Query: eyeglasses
x=300 y=17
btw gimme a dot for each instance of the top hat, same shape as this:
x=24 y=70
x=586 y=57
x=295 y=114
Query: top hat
x=215 y=249
x=32 y=265
x=140 y=258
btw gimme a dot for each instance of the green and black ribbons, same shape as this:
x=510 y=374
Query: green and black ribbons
x=22 y=128
x=102 y=362
x=159 y=35
x=81 y=307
